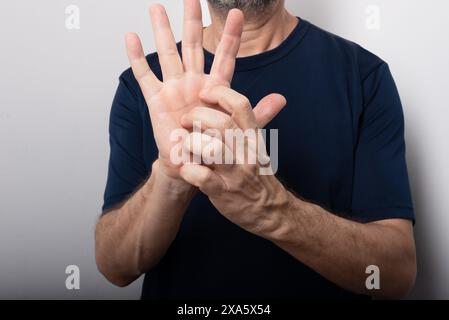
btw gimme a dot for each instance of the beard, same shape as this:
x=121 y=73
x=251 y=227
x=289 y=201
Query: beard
x=248 y=7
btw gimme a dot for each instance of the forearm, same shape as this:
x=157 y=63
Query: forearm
x=132 y=239
x=341 y=249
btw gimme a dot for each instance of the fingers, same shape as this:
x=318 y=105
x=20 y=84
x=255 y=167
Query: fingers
x=209 y=119
x=203 y=178
x=240 y=108
x=237 y=105
x=192 y=41
x=268 y=108
x=148 y=82
x=169 y=59
x=207 y=149
x=224 y=61
x=237 y=145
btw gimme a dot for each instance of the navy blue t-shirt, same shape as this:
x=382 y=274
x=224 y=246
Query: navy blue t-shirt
x=340 y=145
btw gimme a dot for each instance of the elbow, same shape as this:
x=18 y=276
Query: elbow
x=117 y=281
x=121 y=283
x=110 y=274
x=106 y=267
x=401 y=281
x=406 y=273
x=406 y=279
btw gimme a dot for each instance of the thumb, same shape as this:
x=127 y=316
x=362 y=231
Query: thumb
x=268 y=108
x=202 y=177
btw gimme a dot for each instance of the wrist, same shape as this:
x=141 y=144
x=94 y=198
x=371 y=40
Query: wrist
x=168 y=180
x=275 y=209
x=285 y=218
x=164 y=166
x=290 y=227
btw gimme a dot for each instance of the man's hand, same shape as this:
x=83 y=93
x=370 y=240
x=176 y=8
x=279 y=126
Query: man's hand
x=238 y=189
x=337 y=248
x=134 y=236
x=178 y=94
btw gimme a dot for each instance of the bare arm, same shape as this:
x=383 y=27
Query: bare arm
x=133 y=238
x=337 y=248
x=130 y=240
x=341 y=249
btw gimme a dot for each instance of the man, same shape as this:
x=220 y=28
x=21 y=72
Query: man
x=340 y=200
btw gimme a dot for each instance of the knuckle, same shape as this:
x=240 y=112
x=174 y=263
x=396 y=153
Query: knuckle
x=242 y=104
x=205 y=177
x=194 y=113
x=240 y=183
x=171 y=51
x=219 y=89
x=226 y=40
x=227 y=123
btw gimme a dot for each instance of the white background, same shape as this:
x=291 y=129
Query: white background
x=56 y=88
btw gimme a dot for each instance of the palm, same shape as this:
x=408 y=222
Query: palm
x=183 y=79
x=167 y=107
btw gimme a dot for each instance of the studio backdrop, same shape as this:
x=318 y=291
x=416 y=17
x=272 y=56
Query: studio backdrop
x=59 y=67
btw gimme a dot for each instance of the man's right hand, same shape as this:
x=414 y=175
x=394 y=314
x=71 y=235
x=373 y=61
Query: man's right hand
x=183 y=80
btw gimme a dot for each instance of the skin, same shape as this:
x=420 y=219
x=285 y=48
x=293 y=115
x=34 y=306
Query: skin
x=131 y=239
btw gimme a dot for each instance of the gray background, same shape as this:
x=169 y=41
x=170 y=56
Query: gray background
x=56 y=88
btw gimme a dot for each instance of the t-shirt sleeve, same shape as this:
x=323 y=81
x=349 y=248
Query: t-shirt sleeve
x=381 y=185
x=126 y=170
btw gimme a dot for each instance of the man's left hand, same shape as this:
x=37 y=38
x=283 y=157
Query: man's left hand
x=236 y=186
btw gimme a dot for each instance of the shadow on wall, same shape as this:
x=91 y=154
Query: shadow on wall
x=427 y=278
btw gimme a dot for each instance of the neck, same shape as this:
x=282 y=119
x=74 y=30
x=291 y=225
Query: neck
x=260 y=33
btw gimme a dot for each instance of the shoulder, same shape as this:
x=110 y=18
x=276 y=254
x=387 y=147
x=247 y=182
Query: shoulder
x=345 y=51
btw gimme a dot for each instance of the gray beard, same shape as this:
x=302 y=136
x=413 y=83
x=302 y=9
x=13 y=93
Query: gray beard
x=248 y=7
